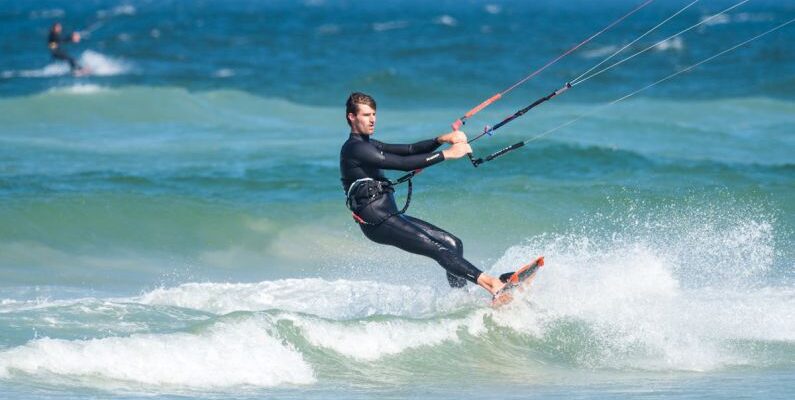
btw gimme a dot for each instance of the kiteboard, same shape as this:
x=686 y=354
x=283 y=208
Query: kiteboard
x=83 y=71
x=518 y=280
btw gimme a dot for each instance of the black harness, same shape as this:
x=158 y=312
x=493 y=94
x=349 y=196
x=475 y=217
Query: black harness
x=364 y=191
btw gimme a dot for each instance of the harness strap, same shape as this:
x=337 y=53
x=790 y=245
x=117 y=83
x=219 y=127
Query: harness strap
x=356 y=182
x=406 y=178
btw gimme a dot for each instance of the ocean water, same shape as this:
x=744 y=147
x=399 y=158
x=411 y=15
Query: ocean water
x=173 y=225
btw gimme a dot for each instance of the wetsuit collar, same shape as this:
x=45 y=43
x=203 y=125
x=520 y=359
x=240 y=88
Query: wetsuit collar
x=359 y=136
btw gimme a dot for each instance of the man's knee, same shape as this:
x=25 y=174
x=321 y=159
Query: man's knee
x=459 y=245
x=455 y=244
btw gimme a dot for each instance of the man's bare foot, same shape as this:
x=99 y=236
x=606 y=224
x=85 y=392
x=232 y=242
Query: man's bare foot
x=490 y=283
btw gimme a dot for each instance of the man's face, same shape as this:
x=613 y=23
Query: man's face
x=57 y=28
x=363 y=122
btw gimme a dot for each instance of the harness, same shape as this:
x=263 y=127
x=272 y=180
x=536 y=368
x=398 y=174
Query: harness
x=364 y=191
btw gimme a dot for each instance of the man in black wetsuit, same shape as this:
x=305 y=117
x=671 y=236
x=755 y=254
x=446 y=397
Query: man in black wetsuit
x=370 y=198
x=54 y=42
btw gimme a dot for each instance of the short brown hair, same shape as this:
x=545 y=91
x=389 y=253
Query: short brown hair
x=352 y=105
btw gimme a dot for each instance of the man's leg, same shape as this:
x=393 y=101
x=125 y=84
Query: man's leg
x=402 y=232
x=61 y=55
x=449 y=240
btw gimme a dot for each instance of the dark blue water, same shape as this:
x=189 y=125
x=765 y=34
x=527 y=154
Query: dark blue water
x=446 y=53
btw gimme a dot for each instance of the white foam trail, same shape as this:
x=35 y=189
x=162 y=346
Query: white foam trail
x=228 y=354
x=55 y=69
x=82 y=88
x=340 y=299
x=97 y=63
x=102 y=65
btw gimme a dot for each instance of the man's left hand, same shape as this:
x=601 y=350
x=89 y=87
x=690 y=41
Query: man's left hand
x=452 y=137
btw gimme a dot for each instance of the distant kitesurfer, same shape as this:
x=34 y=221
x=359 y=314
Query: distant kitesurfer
x=370 y=198
x=55 y=41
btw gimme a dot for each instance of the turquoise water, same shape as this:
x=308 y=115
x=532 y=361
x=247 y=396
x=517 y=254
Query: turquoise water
x=173 y=225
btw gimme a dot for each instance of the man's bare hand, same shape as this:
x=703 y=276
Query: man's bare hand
x=457 y=150
x=452 y=137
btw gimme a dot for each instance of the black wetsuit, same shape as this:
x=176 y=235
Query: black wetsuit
x=54 y=42
x=362 y=157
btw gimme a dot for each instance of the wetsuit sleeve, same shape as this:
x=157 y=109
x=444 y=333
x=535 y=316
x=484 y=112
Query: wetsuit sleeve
x=421 y=147
x=59 y=39
x=371 y=155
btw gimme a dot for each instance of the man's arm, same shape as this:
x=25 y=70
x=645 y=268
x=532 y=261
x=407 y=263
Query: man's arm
x=421 y=147
x=373 y=156
x=73 y=37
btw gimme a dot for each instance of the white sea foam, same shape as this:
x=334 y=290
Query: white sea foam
x=716 y=19
x=55 y=69
x=603 y=51
x=389 y=25
x=446 y=20
x=753 y=17
x=660 y=295
x=722 y=19
x=675 y=288
x=124 y=9
x=47 y=14
x=493 y=9
x=81 y=88
x=657 y=298
x=227 y=354
x=224 y=73
x=676 y=43
x=97 y=63
x=103 y=65
x=371 y=340
x=12 y=305
x=340 y=299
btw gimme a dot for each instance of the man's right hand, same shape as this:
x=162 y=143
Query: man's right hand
x=457 y=150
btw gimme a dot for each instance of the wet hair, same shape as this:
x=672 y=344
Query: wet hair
x=352 y=105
